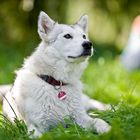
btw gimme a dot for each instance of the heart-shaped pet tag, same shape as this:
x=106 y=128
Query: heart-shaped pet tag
x=62 y=95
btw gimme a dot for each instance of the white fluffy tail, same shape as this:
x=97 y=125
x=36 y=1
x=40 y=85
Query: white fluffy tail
x=3 y=90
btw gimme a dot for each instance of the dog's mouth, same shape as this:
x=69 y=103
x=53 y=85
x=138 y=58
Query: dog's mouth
x=84 y=54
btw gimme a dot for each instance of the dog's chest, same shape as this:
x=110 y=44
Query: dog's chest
x=62 y=101
x=39 y=101
x=50 y=108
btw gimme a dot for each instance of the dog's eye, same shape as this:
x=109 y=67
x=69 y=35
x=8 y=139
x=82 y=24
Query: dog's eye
x=68 y=36
x=84 y=36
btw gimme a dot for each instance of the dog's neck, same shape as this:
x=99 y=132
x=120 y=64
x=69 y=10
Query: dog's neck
x=49 y=64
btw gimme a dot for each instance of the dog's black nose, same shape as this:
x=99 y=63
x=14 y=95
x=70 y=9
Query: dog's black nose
x=87 y=45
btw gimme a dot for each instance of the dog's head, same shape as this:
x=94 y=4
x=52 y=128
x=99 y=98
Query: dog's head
x=70 y=42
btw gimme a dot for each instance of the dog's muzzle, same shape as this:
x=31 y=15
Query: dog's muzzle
x=87 y=50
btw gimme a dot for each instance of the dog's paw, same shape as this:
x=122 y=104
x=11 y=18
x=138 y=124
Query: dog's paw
x=101 y=126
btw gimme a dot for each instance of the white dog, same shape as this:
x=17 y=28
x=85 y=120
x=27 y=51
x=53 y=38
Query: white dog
x=48 y=88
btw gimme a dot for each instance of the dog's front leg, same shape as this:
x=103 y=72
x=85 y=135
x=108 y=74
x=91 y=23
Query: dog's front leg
x=94 y=124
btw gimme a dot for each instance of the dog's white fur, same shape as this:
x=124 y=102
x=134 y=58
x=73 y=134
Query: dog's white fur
x=36 y=101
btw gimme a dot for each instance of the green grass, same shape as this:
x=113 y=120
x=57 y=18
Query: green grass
x=105 y=80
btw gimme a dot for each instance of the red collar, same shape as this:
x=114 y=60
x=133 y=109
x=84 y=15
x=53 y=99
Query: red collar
x=51 y=80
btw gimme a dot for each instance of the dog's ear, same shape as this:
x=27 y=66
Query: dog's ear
x=83 y=23
x=45 y=24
